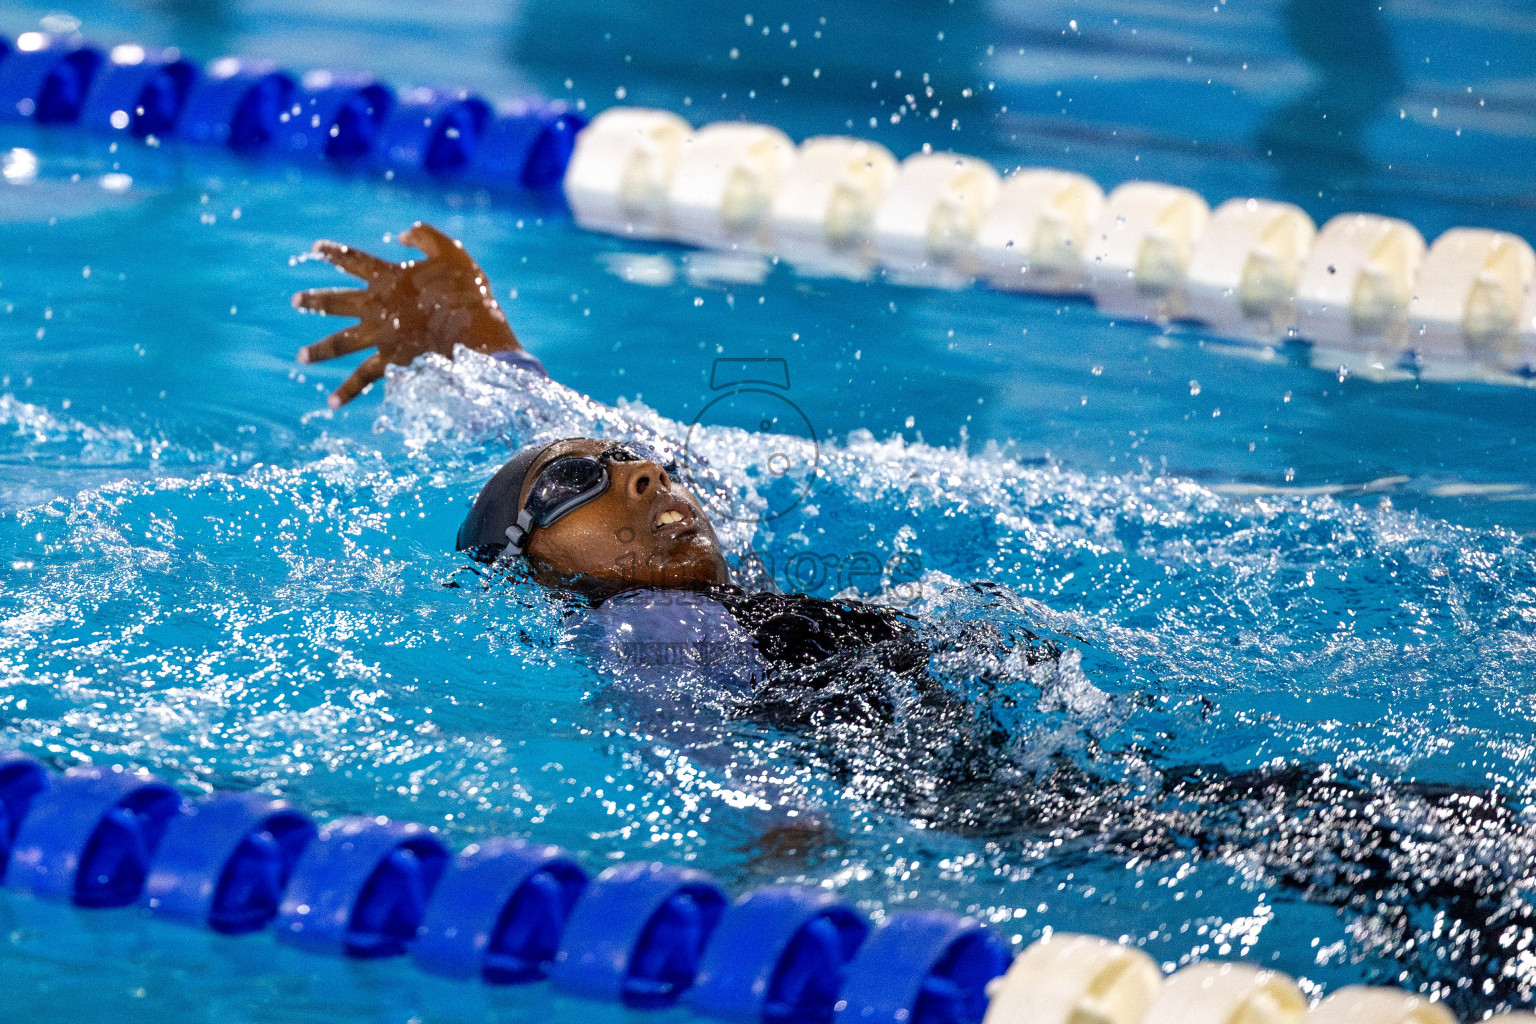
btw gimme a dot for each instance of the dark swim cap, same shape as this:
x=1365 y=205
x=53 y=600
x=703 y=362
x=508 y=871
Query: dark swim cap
x=484 y=531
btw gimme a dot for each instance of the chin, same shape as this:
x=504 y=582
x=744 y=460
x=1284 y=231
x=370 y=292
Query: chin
x=688 y=568
x=701 y=560
x=690 y=575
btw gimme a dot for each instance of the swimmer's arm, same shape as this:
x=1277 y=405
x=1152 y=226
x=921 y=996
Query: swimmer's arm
x=407 y=309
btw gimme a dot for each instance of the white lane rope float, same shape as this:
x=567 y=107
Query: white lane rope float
x=1365 y=291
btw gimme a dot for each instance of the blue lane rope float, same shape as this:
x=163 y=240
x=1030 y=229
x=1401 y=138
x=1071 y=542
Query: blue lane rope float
x=500 y=914
x=256 y=108
x=638 y=934
x=21 y=779
x=336 y=117
x=361 y=888
x=237 y=103
x=45 y=79
x=504 y=912
x=138 y=91
x=436 y=130
x=779 y=955
x=256 y=839
x=88 y=838
x=954 y=959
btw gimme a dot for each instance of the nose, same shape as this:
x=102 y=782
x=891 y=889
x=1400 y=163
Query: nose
x=638 y=478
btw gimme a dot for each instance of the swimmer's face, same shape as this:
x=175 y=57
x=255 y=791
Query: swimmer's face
x=645 y=530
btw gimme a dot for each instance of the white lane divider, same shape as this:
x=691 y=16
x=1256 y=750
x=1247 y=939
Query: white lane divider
x=1525 y=359
x=1075 y=979
x=620 y=174
x=1244 y=269
x=1214 y=992
x=726 y=180
x=1466 y=308
x=824 y=216
x=1084 y=979
x=1352 y=299
x=925 y=231
x=1035 y=236
x=1365 y=1004
x=1363 y=290
x=1141 y=247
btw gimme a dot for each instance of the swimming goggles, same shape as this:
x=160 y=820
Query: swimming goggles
x=568 y=483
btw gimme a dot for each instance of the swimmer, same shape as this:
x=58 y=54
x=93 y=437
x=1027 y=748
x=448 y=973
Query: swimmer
x=606 y=519
x=585 y=513
x=609 y=523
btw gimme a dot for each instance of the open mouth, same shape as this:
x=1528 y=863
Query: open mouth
x=673 y=517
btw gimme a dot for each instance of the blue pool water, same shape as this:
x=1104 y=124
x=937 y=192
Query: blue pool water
x=208 y=574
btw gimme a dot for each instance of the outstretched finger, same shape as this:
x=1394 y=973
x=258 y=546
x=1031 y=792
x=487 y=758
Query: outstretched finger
x=342 y=343
x=434 y=243
x=370 y=370
x=354 y=261
x=337 y=301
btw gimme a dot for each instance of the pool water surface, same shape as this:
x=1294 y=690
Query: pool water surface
x=1256 y=565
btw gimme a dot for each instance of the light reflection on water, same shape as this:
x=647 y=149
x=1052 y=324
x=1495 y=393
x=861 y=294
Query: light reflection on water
x=203 y=572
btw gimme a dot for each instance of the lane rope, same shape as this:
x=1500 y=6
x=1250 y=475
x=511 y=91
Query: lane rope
x=1365 y=293
x=505 y=911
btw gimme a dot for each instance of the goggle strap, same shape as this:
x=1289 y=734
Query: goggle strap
x=519 y=533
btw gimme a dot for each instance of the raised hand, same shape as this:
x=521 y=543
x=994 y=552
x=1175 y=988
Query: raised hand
x=407 y=308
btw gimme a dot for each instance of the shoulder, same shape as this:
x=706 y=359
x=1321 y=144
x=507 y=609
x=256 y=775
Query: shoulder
x=522 y=359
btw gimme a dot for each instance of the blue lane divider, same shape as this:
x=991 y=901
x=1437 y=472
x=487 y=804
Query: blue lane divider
x=225 y=862
x=90 y=836
x=256 y=108
x=45 y=79
x=504 y=911
x=501 y=912
x=925 y=968
x=638 y=935
x=779 y=956
x=138 y=91
x=361 y=888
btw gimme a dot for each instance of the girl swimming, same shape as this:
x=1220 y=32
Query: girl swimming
x=610 y=521
x=914 y=718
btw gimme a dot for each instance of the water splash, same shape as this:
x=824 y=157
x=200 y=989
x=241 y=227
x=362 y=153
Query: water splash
x=1243 y=680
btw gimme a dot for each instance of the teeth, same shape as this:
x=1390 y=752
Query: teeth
x=669 y=517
